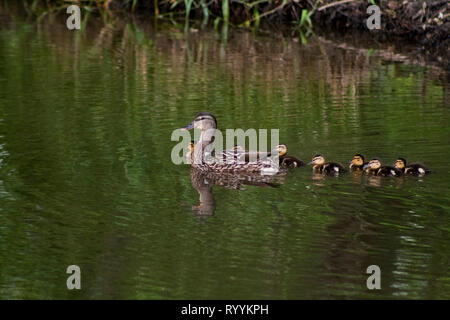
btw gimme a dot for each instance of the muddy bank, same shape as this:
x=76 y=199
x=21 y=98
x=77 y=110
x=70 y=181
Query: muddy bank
x=424 y=22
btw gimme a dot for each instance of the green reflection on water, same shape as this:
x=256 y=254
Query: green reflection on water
x=86 y=176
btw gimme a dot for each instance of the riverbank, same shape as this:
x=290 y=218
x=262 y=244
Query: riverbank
x=424 y=23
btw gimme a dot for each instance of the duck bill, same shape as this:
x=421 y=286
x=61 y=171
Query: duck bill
x=310 y=163
x=365 y=166
x=188 y=127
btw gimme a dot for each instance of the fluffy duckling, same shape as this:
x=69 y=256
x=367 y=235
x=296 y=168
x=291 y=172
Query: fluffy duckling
x=357 y=162
x=413 y=168
x=320 y=166
x=288 y=161
x=375 y=167
x=190 y=153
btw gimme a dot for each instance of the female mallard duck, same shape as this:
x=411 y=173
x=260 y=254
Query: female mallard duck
x=288 y=161
x=374 y=167
x=205 y=159
x=320 y=166
x=357 y=162
x=412 y=168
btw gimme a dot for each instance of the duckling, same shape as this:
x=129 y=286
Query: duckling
x=190 y=153
x=413 y=168
x=320 y=166
x=374 y=167
x=288 y=161
x=357 y=162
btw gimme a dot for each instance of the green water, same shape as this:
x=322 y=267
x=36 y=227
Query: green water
x=86 y=176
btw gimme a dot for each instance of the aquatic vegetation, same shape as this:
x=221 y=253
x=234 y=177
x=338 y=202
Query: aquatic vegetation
x=414 y=20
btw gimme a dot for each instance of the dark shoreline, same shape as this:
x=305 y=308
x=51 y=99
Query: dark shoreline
x=423 y=24
x=400 y=20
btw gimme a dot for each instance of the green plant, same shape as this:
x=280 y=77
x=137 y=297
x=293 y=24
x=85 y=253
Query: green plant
x=188 y=5
x=305 y=20
x=225 y=10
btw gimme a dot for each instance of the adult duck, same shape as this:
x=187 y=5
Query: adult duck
x=205 y=158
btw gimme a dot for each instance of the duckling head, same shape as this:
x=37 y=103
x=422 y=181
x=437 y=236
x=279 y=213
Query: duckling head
x=282 y=150
x=400 y=163
x=318 y=160
x=202 y=121
x=357 y=161
x=373 y=164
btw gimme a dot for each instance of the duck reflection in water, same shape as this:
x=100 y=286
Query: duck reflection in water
x=204 y=181
x=378 y=181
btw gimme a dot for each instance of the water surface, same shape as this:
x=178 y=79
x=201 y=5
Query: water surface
x=86 y=176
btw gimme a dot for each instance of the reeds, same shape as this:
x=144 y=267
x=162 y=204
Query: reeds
x=413 y=19
x=240 y=12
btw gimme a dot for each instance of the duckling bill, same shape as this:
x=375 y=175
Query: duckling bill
x=412 y=168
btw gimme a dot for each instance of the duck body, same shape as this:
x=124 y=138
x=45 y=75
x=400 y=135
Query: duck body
x=416 y=169
x=413 y=168
x=291 y=162
x=389 y=171
x=285 y=161
x=333 y=167
x=237 y=153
